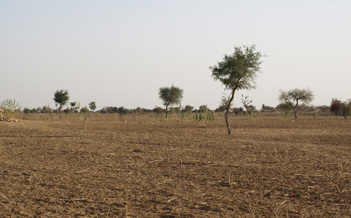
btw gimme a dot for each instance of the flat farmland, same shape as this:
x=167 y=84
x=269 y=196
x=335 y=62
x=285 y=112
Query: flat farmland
x=145 y=166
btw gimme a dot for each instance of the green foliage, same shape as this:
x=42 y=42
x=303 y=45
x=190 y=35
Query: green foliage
x=46 y=109
x=175 y=110
x=140 y=110
x=120 y=110
x=284 y=106
x=250 y=109
x=75 y=108
x=237 y=72
x=204 y=116
x=10 y=107
x=203 y=108
x=292 y=97
x=92 y=106
x=61 y=98
x=221 y=108
x=170 y=96
x=26 y=110
x=345 y=108
x=267 y=108
x=188 y=109
x=157 y=110
x=236 y=111
x=336 y=106
x=84 y=110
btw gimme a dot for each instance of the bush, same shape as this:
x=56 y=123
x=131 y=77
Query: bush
x=336 y=106
x=10 y=107
x=188 y=109
x=345 y=107
x=84 y=110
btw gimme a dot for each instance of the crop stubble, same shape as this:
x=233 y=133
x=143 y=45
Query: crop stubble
x=144 y=166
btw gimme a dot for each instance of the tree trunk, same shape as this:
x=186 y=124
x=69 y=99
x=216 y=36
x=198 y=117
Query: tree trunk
x=59 y=109
x=166 y=111
x=227 y=111
x=227 y=122
x=295 y=109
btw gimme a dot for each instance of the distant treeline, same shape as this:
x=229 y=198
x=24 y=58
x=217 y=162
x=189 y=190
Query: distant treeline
x=186 y=109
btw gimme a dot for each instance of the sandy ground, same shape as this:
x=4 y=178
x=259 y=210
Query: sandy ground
x=145 y=166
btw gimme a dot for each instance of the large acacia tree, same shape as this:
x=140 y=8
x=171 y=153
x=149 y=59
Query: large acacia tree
x=170 y=96
x=61 y=98
x=237 y=72
x=294 y=96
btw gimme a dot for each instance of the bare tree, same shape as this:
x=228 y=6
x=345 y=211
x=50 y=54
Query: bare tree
x=247 y=104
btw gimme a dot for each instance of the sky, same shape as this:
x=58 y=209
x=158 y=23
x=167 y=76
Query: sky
x=119 y=53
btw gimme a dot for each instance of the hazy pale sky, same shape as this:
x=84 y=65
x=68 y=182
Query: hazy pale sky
x=119 y=53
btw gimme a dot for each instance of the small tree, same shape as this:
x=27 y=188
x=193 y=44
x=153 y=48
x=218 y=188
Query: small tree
x=26 y=110
x=336 y=106
x=266 y=108
x=46 y=109
x=188 y=109
x=284 y=106
x=203 y=108
x=175 y=110
x=158 y=110
x=122 y=110
x=61 y=98
x=84 y=110
x=250 y=109
x=92 y=106
x=345 y=108
x=73 y=107
x=247 y=104
x=237 y=72
x=294 y=96
x=170 y=96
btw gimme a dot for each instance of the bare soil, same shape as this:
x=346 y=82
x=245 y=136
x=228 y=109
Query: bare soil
x=145 y=166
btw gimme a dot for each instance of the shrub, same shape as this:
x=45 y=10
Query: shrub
x=336 y=106
x=203 y=117
x=10 y=107
x=345 y=107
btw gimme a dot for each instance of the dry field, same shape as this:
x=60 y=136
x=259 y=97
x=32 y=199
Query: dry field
x=145 y=166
